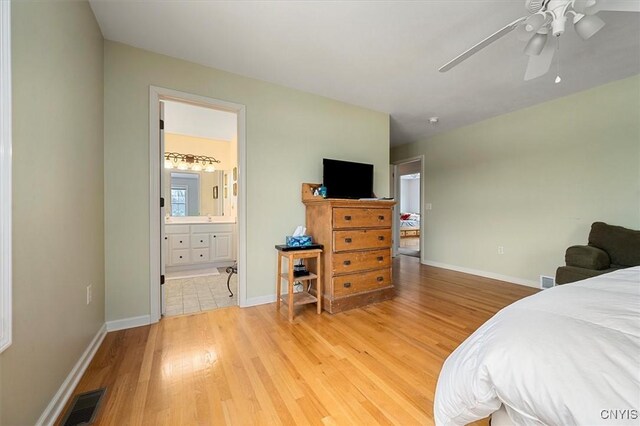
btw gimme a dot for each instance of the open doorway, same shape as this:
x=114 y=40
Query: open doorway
x=408 y=193
x=198 y=231
x=199 y=186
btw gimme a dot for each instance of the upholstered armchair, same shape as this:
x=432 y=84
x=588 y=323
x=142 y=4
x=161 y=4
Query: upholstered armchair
x=610 y=248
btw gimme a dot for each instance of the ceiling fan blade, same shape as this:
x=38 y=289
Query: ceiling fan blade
x=614 y=6
x=484 y=43
x=539 y=65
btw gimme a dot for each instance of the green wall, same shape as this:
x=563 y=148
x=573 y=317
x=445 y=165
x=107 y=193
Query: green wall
x=532 y=181
x=58 y=226
x=288 y=133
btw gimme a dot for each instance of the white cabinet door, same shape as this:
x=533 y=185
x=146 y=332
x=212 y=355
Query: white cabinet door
x=166 y=261
x=222 y=246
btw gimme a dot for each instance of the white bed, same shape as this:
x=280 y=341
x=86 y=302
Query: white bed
x=569 y=355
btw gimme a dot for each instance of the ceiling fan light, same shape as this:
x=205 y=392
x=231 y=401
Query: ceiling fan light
x=536 y=44
x=588 y=26
x=530 y=26
x=581 y=6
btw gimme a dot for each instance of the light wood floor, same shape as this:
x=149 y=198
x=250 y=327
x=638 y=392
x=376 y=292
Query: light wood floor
x=377 y=365
x=410 y=242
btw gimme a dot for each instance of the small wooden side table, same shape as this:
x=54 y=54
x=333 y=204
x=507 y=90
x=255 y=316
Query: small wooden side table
x=304 y=297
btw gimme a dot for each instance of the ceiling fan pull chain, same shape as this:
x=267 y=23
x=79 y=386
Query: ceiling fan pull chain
x=558 y=78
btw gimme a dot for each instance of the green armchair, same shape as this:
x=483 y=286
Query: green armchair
x=610 y=248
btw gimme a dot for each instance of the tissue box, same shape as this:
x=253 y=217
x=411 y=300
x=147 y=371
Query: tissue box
x=299 y=241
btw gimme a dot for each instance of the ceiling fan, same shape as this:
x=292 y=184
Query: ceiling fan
x=543 y=26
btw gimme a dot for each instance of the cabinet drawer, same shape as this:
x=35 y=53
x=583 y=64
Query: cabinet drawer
x=356 y=283
x=347 y=262
x=200 y=240
x=179 y=257
x=179 y=241
x=199 y=255
x=361 y=239
x=361 y=218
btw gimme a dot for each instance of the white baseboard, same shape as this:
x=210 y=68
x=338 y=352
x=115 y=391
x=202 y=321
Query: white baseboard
x=260 y=300
x=492 y=275
x=125 y=323
x=56 y=405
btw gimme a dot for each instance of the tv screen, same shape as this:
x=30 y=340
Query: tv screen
x=345 y=179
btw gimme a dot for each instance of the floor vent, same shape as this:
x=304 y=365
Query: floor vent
x=547 y=282
x=84 y=408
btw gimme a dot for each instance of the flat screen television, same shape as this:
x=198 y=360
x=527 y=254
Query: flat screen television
x=345 y=179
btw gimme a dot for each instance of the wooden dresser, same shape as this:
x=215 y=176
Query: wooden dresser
x=357 y=249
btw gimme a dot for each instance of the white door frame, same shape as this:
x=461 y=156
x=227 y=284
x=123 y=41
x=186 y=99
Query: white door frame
x=5 y=176
x=156 y=94
x=397 y=197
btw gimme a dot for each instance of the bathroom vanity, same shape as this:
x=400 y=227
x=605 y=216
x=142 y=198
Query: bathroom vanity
x=192 y=244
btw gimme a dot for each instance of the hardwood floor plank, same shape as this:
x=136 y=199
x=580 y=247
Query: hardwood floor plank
x=375 y=365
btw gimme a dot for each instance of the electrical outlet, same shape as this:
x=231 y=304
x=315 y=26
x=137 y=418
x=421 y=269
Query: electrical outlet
x=89 y=294
x=500 y=249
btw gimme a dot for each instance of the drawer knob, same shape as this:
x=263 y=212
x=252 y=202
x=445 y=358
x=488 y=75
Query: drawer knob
x=347 y=218
x=381 y=238
x=201 y=241
x=200 y=255
x=180 y=241
x=347 y=240
x=380 y=258
x=180 y=257
x=346 y=285
x=380 y=279
x=165 y=238
x=214 y=236
x=346 y=262
x=381 y=217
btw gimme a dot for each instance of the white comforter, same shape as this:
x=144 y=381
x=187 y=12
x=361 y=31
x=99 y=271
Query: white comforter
x=568 y=355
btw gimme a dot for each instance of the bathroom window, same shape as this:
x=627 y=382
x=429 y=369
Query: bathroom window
x=179 y=205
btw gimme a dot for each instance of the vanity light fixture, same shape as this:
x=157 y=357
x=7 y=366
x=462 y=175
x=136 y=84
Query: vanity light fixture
x=189 y=162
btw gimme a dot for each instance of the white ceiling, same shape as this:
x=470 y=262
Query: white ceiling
x=383 y=55
x=190 y=120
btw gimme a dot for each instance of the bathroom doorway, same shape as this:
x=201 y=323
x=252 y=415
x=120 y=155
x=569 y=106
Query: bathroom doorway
x=198 y=235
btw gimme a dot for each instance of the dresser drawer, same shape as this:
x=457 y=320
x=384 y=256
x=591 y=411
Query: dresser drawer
x=199 y=255
x=200 y=240
x=356 y=283
x=179 y=241
x=179 y=257
x=354 y=261
x=361 y=218
x=361 y=239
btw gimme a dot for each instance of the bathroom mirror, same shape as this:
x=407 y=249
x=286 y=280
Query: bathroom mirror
x=196 y=193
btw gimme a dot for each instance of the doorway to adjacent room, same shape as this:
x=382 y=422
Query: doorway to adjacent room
x=197 y=209
x=408 y=193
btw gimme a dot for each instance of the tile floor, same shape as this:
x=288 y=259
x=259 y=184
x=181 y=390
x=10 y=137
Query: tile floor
x=191 y=295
